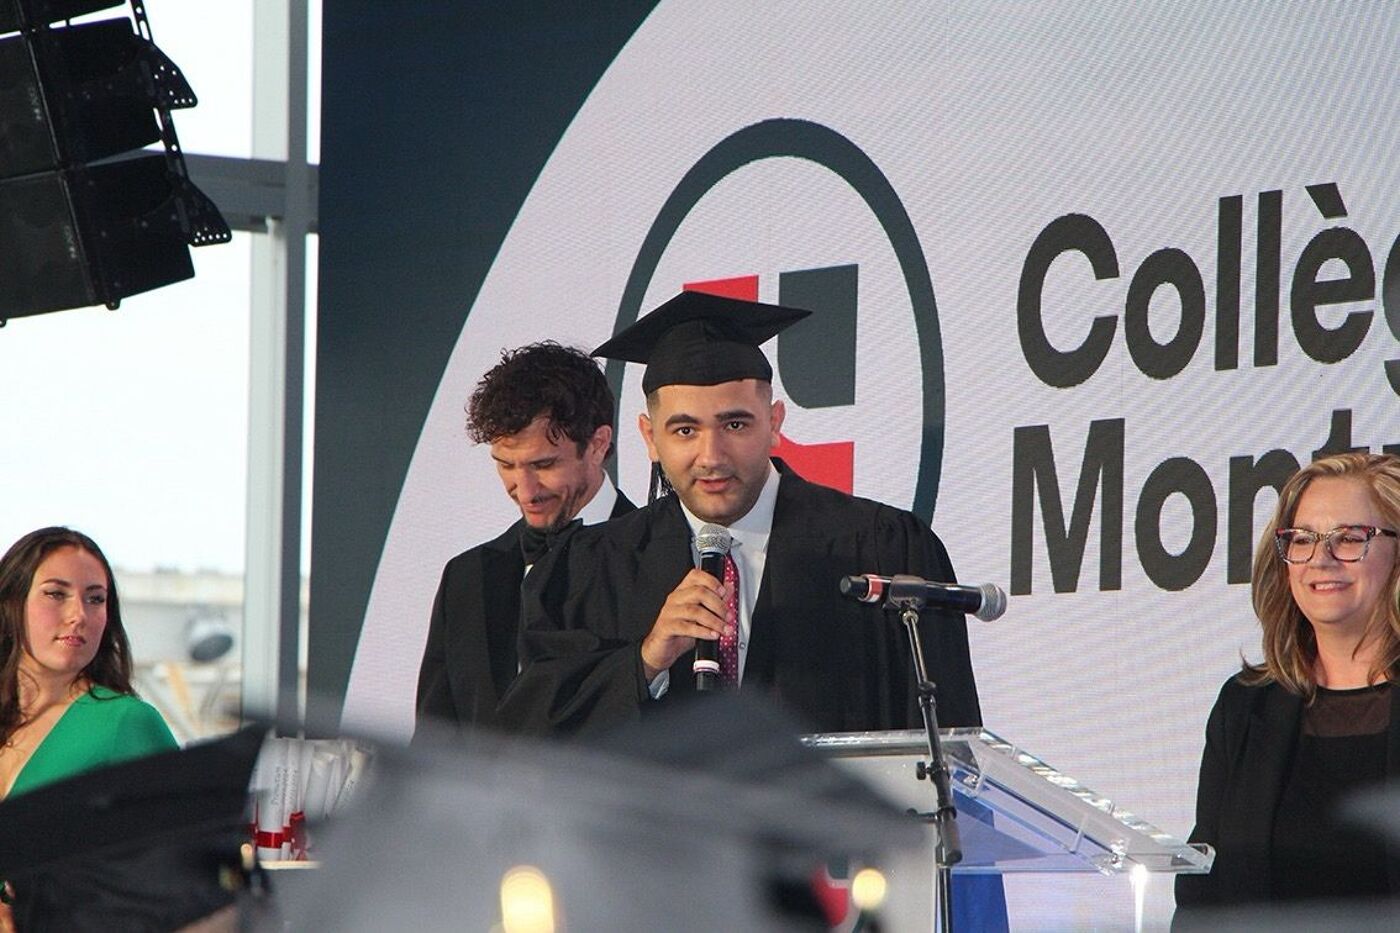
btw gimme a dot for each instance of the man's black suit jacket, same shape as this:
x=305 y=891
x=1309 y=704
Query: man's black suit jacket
x=472 y=655
x=1250 y=738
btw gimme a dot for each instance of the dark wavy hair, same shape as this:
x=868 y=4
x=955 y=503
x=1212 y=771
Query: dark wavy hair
x=110 y=667
x=562 y=384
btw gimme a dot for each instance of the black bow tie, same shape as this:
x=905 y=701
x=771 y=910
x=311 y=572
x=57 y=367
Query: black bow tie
x=536 y=542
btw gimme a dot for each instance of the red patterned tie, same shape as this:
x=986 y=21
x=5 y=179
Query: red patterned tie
x=729 y=644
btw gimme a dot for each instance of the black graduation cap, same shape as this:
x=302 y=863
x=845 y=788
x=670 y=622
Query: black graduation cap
x=149 y=844
x=701 y=339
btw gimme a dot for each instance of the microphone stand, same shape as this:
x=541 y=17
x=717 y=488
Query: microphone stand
x=908 y=599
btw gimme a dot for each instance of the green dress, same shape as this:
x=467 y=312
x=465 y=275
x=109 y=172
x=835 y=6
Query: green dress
x=99 y=728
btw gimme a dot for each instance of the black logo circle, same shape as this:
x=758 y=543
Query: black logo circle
x=803 y=139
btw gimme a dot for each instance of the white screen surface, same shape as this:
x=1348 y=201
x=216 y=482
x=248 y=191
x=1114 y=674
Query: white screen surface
x=990 y=124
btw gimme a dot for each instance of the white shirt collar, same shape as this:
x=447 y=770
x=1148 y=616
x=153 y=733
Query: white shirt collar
x=600 y=507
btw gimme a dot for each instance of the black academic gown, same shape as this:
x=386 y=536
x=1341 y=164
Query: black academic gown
x=1250 y=738
x=836 y=664
x=471 y=656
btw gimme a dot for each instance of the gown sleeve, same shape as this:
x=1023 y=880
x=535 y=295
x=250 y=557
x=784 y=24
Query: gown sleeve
x=581 y=661
x=1199 y=890
x=434 y=698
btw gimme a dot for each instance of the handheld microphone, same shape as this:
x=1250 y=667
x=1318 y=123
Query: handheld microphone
x=985 y=602
x=712 y=542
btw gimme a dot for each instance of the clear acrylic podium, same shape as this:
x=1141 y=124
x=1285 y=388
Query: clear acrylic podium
x=1016 y=814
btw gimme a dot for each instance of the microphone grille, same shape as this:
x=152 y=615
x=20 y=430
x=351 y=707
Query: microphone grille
x=712 y=539
x=993 y=602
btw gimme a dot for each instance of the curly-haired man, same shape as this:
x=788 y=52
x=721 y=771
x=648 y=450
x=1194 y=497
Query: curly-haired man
x=546 y=411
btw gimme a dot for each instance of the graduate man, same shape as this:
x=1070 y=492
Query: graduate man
x=547 y=412
x=613 y=615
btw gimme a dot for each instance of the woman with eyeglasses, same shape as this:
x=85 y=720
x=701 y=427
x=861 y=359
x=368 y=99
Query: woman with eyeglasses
x=1290 y=738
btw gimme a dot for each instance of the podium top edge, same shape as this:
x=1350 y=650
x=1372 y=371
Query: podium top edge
x=893 y=742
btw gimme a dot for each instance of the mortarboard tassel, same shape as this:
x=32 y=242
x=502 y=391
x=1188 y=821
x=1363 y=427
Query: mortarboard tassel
x=660 y=485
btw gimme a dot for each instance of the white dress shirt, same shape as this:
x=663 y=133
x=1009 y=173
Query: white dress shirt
x=599 y=508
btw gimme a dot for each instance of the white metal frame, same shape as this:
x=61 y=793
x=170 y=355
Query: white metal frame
x=274 y=194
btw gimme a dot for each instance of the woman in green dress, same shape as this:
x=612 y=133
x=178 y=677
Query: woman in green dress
x=66 y=701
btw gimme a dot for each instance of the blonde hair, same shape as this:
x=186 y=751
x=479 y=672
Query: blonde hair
x=1290 y=647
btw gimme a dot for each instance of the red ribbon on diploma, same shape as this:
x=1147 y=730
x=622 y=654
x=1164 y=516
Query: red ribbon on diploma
x=268 y=840
x=296 y=834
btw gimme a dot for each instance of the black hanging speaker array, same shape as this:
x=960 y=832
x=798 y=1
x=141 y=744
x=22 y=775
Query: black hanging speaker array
x=88 y=215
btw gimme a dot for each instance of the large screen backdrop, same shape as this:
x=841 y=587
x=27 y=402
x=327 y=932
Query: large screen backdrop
x=1090 y=280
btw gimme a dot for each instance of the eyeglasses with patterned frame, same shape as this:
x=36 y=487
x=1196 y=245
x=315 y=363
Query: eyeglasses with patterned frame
x=1346 y=543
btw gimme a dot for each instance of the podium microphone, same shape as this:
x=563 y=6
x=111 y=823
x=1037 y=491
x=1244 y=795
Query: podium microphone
x=985 y=602
x=712 y=542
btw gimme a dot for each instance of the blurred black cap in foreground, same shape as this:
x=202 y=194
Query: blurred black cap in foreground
x=683 y=822
x=149 y=844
